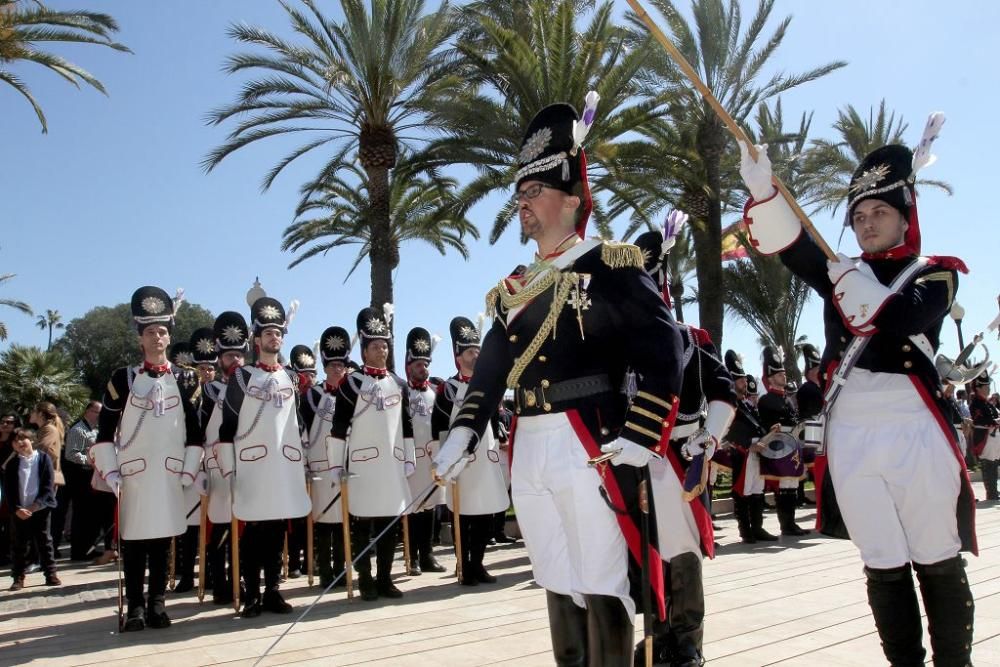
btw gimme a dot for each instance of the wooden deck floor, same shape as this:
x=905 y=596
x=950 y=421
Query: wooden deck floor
x=794 y=602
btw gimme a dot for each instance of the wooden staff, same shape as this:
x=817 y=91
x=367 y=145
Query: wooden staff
x=406 y=544
x=172 y=564
x=348 y=553
x=284 y=555
x=456 y=524
x=730 y=124
x=121 y=557
x=234 y=541
x=309 y=536
x=202 y=539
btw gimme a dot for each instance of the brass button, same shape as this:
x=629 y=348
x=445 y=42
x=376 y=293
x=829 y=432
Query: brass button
x=843 y=339
x=840 y=354
x=906 y=347
x=517 y=410
x=545 y=384
x=968 y=627
x=529 y=400
x=542 y=358
x=547 y=407
x=907 y=364
x=605 y=431
x=962 y=580
x=513 y=338
x=968 y=603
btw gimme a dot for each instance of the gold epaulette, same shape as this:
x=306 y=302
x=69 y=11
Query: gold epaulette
x=619 y=255
x=491 y=301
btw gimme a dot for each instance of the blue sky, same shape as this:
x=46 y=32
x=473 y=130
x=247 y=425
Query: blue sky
x=114 y=197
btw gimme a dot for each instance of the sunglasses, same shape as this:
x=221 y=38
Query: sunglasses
x=7 y=422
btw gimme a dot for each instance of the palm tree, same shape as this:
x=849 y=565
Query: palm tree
x=351 y=87
x=29 y=375
x=519 y=61
x=680 y=266
x=11 y=303
x=831 y=163
x=50 y=320
x=419 y=207
x=730 y=57
x=769 y=298
x=23 y=28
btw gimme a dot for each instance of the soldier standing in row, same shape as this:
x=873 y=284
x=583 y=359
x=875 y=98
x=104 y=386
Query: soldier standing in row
x=985 y=432
x=481 y=486
x=149 y=447
x=260 y=448
x=302 y=363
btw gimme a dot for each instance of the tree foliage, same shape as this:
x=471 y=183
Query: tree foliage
x=29 y=375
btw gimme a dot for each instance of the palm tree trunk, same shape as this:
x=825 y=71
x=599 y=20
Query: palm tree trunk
x=708 y=237
x=50 y=338
x=384 y=255
x=676 y=294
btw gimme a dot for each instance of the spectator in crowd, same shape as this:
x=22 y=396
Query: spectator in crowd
x=49 y=439
x=8 y=422
x=29 y=485
x=963 y=403
x=77 y=470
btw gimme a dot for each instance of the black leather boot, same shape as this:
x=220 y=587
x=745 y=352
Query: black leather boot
x=756 y=503
x=989 y=478
x=741 y=510
x=786 y=502
x=950 y=608
x=609 y=632
x=663 y=647
x=568 y=627
x=893 y=601
x=687 y=609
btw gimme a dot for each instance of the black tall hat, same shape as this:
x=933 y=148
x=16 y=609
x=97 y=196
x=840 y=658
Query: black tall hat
x=419 y=345
x=180 y=354
x=982 y=380
x=372 y=325
x=267 y=313
x=651 y=245
x=888 y=174
x=302 y=359
x=734 y=364
x=464 y=334
x=151 y=305
x=811 y=357
x=751 y=385
x=335 y=345
x=773 y=360
x=231 y=332
x=203 y=347
x=551 y=152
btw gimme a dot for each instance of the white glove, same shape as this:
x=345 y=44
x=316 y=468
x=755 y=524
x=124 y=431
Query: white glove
x=201 y=483
x=629 y=453
x=756 y=175
x=702 y=442
x=452 y=458
x=837 y=269
x=114 y=481
x=409 y=467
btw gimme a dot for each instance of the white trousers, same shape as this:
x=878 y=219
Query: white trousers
x=895 y=474
x=675 y=525
x=574 y=543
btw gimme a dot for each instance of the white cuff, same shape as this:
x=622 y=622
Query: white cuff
x=720 y=416
x=859 y=299
x=226 y=456
x=771 y=224
x=192 y=461
x=409 y=451
x=105 y=458
x=336 y=451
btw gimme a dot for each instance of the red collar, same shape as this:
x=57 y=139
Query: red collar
x=778 y=392
x=899 y=252
x=270 y=368
x=155 y=369
x=329 y=388
x=375 y=372
x=232 y=369
x=463 y=378
x=420 y=385
x=562 y=247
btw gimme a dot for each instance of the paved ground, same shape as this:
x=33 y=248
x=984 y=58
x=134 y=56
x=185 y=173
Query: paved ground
x=794 y=602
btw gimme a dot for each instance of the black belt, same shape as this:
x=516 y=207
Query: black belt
x=555 y=396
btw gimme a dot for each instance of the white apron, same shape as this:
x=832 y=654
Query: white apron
x=220 y=499
x=151 y=459
x=421 y=408
x=482 y=487
x=269 y=482
x=325 y=482
x=375 y=449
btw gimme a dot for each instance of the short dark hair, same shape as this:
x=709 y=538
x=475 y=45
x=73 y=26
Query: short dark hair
x=22 y=433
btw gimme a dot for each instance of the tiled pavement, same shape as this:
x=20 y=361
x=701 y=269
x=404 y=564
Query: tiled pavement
x=793 y=602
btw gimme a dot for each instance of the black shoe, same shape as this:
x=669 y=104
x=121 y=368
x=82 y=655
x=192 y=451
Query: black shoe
x=762 y=535
x=135 y=620
x=325 y=581
x=185 y=585
x=430 y=564
x=484 y=577
x=503 y=538
x=158 y=620
x=223 y=596
x=294 y=574
x=414 y=568
x=52 y=580
x=794 y=530
x=468 y=577
x=17 y=585
x=749 y=539
x=387 y=589
x=367 y=587
x=251 y=608
x=274 y=603
x=492 y=541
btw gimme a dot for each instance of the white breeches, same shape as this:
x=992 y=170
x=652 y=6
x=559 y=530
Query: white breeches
x=675 y=526
x=895 y=474
x=574 y=543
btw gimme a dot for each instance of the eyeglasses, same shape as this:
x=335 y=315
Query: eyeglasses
x=6 y=422
x=529 y=192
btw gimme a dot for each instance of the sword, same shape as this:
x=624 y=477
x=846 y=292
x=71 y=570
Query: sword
x=121 y=557
x=234 y=538
x=420 y=499
x=457 y=524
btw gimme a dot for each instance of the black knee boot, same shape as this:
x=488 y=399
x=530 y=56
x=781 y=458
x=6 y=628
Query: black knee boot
x=385 y=553
x=687 y=609
x=423 y=533
x=944 y=587
x=323 y=551
x=663 y=640
x=609 y=632
x=568 y=627
x=989 y=478
x=756 y=502
x=785 y=499
x=893 y=601
x=741 y=509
